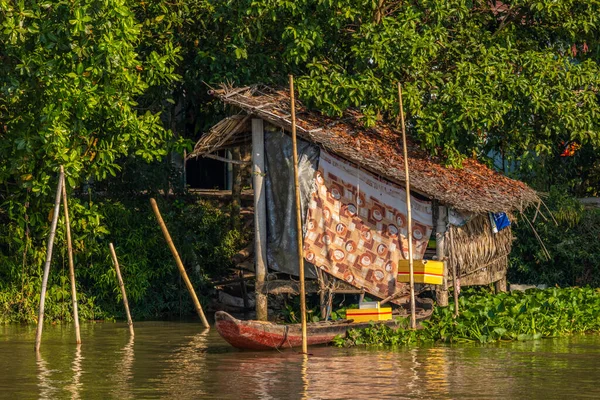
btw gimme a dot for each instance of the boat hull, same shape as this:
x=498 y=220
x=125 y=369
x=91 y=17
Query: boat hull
x=259 y=335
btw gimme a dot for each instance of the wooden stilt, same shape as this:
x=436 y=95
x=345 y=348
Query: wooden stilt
x=122 y=287
x=260 y=217
x=184 y=276
x=413 y=318
x=40 y=322
x=298 y=219
x=454 y=272
x=71 y=263
x=440 y=239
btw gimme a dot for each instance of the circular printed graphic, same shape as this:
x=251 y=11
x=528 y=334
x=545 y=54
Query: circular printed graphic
x=366 y=234
x=320 y=179
x=340 y=229
x=360 y=200
x=326 y=214
x=418 y=232
x=392 y=230
x=326 y=239
x=377 y=213
x=350 y=246
x=379 y=274
x=365 y=260
x=310 y=256
x=381 y=249
x=336 y=193
x=311 y=225
x=388 y=266
x=401 y=220
x=348 y=277
x=351 y=209
x=338 y=255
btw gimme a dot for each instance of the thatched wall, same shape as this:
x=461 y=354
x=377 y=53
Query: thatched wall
x=480 y=256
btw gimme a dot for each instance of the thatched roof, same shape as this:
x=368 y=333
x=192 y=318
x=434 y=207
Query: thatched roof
x=474 y=187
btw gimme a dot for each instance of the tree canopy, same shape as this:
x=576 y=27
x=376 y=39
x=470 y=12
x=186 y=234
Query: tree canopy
x=518 y=77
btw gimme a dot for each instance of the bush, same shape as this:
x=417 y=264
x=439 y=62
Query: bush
x=200 y=230
x=573 y=245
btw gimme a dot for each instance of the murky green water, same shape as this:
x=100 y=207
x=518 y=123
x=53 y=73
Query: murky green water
x=178 y=360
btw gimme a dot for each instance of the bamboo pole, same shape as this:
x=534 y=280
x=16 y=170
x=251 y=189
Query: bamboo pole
x=298 y=219
x=40 y=325
x=413 y=318
x=187 y=281
x=122 y=286
x=454 y=274
x=71 y=263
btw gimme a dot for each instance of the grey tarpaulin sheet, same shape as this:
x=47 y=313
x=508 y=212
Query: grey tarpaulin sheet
x=282 y=248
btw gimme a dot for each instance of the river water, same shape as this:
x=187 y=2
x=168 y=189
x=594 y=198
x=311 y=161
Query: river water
x=178 y=360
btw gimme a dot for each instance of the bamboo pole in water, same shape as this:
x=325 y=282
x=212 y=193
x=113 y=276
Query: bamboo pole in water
x=298 y=219
x=40 y=324
x=122 y=286
x=71 y=263
x=187 y=281
x=413 y=318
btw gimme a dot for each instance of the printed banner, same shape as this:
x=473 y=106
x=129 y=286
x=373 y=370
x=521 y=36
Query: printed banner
x=356 y=226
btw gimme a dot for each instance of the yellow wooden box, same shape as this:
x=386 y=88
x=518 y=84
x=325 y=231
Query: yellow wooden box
x=370 y=314
x=425 y=271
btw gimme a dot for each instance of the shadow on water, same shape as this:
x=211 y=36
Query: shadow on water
x=182 y=361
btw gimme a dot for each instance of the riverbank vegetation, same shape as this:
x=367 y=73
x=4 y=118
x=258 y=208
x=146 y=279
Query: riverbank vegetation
x=154 y=288
x=486 y=317
x=116 y=91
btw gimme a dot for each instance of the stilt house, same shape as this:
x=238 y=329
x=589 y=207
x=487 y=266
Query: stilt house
x=353 y=200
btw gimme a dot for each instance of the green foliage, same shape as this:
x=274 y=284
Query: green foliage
x=79 y=88
x=154 y=289
x=573 y=245
x=70 y=85
x=518 y=79
x=486 y=317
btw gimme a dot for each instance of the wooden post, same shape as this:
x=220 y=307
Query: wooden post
x=187 y=281
x=236 y=189
x=40 y=324
x=413 y=318
x=260 y=217
x=454 y=273
x=500 y=285
x=440 y=239
x=298 y=220
x=122 y=286
x=71 y=263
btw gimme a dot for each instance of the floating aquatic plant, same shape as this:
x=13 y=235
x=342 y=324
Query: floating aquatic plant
x=486 y=317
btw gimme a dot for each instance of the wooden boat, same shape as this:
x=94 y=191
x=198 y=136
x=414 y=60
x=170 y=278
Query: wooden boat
x=260 y=335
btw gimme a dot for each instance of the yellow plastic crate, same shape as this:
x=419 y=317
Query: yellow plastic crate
x=370 y=314
x=425 y=271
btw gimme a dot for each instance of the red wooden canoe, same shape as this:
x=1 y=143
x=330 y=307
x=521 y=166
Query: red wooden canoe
x=259 y=335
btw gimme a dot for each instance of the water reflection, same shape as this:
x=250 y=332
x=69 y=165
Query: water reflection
x=47 y=390
x=77 y=368
x=177 y=360
x=124 y=376
x=436 y=371
x=186 y=367
x=305 y=379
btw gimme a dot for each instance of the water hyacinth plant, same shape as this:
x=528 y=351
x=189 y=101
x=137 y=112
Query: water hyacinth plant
x=486 y=317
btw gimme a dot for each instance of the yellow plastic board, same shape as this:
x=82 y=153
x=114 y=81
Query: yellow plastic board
x=425 y=271
x=370 y=314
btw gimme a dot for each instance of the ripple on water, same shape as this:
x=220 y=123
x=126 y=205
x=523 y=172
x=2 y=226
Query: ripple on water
x=179 y=360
